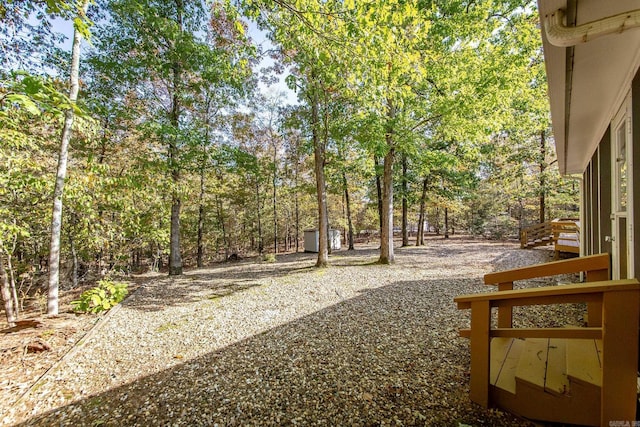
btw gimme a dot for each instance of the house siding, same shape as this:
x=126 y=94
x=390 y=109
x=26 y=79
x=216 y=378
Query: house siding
x=597 y=199
x=597 y=189
x=589 y=218
x=604 y=187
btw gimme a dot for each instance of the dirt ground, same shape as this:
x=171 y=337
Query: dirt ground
x=38 y=341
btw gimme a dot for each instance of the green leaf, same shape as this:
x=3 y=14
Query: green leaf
x=239 y=27
x=96 y=300
x=32 y=85
x=25 y=102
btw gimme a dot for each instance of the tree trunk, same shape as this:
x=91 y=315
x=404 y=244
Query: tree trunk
x=9 y=307
x=348 y=206
x=328 y=229
x=376 y=163
x=319 y=160
x=405 y=207
x=423 y=202
x=12 y=276
x=258 y=202
x=446 y=222
x=61 y=174
x=224 y=228
x=201 y=212
x=520 y=216
x=543 y=167
x=386 y=234
x=175 y=257
x=297 y=206
x=12 y=282
x=275 y=200
x=200 y=256
x=74 y=260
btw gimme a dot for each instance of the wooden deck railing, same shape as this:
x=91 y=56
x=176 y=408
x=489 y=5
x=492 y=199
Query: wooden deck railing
x=620 y=310
x=536 y=235
x=596 y=268
x=564 y=234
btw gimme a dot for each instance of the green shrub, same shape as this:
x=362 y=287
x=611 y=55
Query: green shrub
x=101 y=298
x=270 y=258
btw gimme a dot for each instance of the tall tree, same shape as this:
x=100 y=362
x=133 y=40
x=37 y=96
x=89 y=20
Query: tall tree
x=61 y=174
x=542 y=178
x=302 y=31
x=162 y=48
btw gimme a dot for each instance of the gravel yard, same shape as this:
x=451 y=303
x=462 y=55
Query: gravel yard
x=250 y=343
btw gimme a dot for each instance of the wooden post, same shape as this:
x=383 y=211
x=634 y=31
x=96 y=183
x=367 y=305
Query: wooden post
x=619 y=356
x=480 y=348
x=505 y=314
x=594 y=309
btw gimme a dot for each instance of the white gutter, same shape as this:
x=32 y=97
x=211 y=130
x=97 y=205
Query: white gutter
x=560 y=35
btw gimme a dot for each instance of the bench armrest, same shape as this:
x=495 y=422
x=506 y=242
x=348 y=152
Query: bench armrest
x=574 y=265
x=548 y=294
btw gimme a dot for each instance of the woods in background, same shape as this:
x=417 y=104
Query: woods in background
x=409 y=115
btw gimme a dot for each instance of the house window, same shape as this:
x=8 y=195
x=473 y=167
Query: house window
x=621 y=167
x=622 y=241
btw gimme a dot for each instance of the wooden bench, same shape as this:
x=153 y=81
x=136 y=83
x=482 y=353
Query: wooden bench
x=613 y=319
x=596 y=268
x=619 y=302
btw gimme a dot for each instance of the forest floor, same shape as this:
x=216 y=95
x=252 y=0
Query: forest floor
x=249 y=343
x=38 y=342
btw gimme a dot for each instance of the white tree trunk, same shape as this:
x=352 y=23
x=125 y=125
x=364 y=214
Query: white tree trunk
x=63 y=155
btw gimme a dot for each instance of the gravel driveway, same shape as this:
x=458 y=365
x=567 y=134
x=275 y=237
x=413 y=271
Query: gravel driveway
x=245 y=343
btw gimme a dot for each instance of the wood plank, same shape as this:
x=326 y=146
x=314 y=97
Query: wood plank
x=599 y=347
x=505 y=314
x=583 y=333
x=564 y=247
x=556 y=381
x=499 y=349
x=594 y=309
x=480 y=348
x=583 y=362
x=620 y=355
x=574 y=265
x=532 y=367
x=529 y=333
x=552 y=291
x=542 y=299
x=507 y=378
x=534 y=404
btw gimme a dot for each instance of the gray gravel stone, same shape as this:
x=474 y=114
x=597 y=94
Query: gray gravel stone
x=356 y=344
